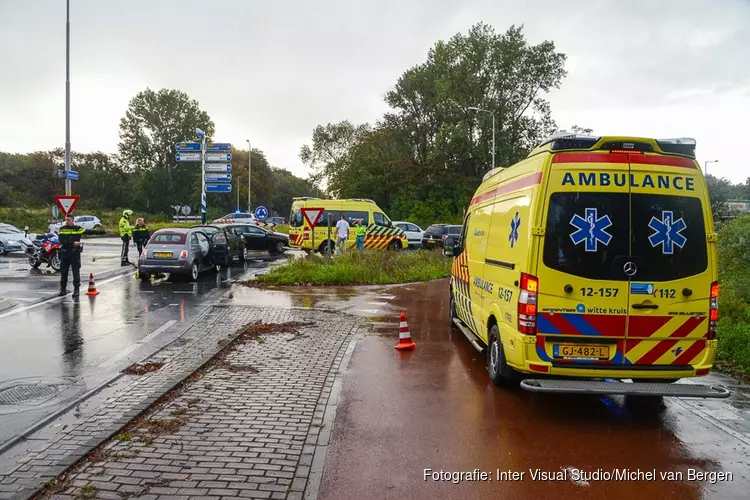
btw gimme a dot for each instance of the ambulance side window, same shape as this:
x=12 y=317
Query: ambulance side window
x=380 y=219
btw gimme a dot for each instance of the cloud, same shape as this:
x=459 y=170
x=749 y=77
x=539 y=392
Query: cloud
x=272 y=71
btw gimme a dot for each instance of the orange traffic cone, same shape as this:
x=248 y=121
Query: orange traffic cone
x=404 y=337
x=92 y=286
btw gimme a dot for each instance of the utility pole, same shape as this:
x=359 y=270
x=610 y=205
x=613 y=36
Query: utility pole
x=249 y=175
x=68 y=185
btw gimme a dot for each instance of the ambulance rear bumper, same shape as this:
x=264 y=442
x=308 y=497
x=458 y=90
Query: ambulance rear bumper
x=596 y=387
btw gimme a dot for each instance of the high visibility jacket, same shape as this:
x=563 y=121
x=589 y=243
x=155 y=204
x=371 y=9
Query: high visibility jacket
x=69 y=235
x=140 y=234
x=124 y=226
x=361 y=231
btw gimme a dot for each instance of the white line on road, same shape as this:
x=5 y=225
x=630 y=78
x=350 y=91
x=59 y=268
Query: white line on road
x=145 y=340
x=371 y=311
x=53 y=299
x=377 y=303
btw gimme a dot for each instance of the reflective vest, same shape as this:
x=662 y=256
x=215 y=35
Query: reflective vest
x=125 y=229
x=361 y=231
x=69 y=235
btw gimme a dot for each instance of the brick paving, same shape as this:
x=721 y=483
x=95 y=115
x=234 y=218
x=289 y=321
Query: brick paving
x=246 y=427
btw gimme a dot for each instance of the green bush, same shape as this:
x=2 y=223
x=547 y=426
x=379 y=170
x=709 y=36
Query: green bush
x=375 y=267
x=734 y=298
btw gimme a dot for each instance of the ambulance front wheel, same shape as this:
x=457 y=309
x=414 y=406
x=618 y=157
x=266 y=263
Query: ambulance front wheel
x=497 y=368
x=323 y=248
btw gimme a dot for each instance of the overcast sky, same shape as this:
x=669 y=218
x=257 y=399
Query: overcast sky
x=271 y=70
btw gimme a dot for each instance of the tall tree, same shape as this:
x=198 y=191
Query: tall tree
x=153 y=123
x=327 y=157
x=289 y=186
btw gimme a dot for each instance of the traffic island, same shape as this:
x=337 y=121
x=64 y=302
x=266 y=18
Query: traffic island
x=373 y=267
x=236 y=410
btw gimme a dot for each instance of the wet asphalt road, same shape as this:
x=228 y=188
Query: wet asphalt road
x=61 y=348
x=435 y=408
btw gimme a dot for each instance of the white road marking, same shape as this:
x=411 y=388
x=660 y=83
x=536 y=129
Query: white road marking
x=371 y=311
x=145 y=340
x=53 y=299
x=378 y=303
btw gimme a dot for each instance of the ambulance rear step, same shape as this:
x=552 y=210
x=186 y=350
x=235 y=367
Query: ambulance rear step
x=469 y=334
x=597 y=387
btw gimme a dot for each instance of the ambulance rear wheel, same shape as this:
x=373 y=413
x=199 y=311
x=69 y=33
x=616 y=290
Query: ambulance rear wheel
x=394 y=246
x=500 y=373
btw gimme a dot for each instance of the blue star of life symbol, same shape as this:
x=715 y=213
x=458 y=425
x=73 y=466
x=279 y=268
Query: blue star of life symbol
x=668 y=232
x=591 y=229
x=514 y=225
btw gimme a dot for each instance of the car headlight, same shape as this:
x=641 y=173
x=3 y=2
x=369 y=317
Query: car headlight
x=12 y=242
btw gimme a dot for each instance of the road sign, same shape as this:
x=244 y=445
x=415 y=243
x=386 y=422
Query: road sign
x=218 y=188
x=312 y=215
x=218 y=177
x=67 y=203
x=55 y=211
x=188 y=146
x=218 y=167
x=218 y=146
x=72 y=175
x=218 y=156
x=61 y=173
x=188 y=156
x=261 y=212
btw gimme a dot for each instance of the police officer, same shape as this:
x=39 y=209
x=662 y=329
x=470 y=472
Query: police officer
x=140 y=234
x=70 y=254
x=126 y=232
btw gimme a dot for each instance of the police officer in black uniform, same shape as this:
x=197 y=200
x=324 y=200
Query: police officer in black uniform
x=70 y=254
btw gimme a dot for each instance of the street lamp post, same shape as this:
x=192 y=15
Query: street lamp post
x=249 y=175
x=68 y=185
x=493 y=129
x=705 y=165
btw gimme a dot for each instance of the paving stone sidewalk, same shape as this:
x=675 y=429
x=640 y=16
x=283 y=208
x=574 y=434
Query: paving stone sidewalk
x=245 y=426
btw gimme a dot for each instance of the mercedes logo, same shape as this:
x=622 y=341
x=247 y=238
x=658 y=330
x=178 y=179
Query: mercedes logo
x=630 y=268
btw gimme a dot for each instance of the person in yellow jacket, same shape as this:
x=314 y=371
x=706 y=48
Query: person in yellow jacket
x=361 y=233
x=126 y=232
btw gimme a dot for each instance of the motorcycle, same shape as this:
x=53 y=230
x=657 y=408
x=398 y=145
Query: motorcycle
x=47 y=249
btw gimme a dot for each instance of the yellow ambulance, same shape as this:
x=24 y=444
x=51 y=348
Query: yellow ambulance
x=381 y=233
x=594 y=258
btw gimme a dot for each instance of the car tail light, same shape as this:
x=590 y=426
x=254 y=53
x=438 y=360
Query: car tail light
x=713 y=315
x=527 y=300
x=183 y=254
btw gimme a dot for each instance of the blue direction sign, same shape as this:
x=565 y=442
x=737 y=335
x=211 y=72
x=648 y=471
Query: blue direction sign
x=188 y=156
x=218 y=177
x=72 y=175
x=188 y=146
x=218 y=156
x=261 y=212
x=218 y=146
x=218 y=167
x=218 y=188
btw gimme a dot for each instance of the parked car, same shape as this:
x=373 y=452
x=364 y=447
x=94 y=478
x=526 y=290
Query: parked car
x=413 y=232
x=257 y=238
x=182 y=251
x=435 y=235
x=90 y=222
x=237 y=217
x=235 y=242
x=10 y=239
x=275 y=220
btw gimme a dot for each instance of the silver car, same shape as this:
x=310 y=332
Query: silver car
x=182 y=251
x=10 y=239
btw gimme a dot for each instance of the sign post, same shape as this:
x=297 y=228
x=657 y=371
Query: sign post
x=215 y=177
x=330 y=219
x=312 y=216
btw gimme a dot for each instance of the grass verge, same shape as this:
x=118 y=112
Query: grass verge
x=377 y=267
